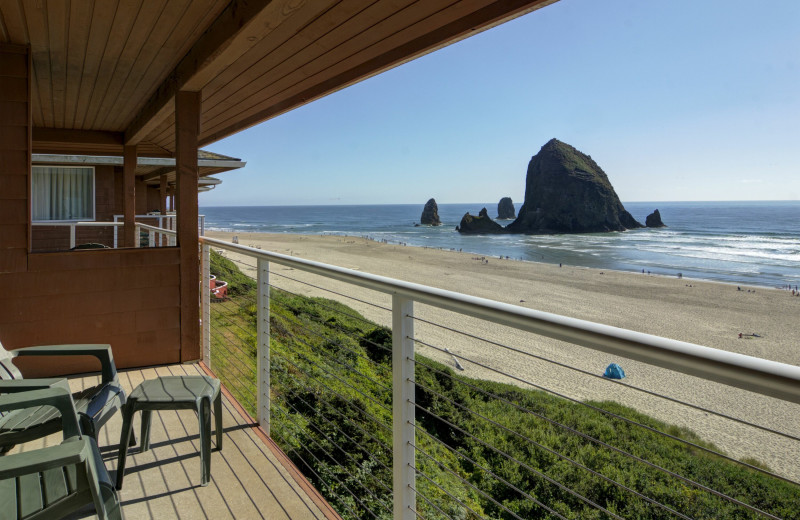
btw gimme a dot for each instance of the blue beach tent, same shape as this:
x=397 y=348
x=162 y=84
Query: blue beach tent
x=614 y=371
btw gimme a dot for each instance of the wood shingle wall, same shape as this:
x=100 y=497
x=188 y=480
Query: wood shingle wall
x=129 y=298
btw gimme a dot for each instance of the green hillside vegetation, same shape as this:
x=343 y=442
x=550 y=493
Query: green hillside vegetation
x=331 y=413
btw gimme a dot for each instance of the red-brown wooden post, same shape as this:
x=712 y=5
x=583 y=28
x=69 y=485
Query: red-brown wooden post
x=15 y=157
x=187 y=129
x=129 y=195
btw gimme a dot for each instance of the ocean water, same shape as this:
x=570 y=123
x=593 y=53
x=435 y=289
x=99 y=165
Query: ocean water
x=752 y=243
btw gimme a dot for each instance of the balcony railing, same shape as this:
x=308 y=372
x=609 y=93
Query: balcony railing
x=374 y=403
x=157 y=227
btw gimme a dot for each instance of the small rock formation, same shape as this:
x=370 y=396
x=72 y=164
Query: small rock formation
x=480 y=225
x=430 y=214
x=505 y=209
x=567 y=192
x=654 y=220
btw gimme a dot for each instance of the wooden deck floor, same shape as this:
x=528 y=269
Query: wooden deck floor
x=248 y=479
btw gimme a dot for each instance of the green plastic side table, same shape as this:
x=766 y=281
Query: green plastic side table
x=174 y=393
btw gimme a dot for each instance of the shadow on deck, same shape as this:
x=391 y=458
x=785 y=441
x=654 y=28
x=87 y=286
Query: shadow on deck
x=248 y=478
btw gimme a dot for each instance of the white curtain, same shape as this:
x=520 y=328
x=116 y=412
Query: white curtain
x=63 y=193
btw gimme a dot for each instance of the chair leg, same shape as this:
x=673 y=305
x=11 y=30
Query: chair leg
x=204 y=416
x=125 y=435
x=109 y=496
x=218 y=419
x=144 y=438
x=133 y=438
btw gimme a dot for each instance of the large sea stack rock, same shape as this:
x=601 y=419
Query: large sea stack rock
x=654 y=220
x=430 y=214
x=567 y=192
x=505 y=208
x=480 y=225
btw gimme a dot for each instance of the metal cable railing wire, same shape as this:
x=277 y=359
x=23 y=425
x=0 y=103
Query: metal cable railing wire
x=357 y=390
x=344 y=398
x=352 y=423
x=428 y=500
x=471 y=485
x=552 y=451
x=530 y=468
x=237 y=354
x=242 y=388
x=330 y=456
x=342 y=450
x=342 y=345
x=609 y=380
x=355 y=317
x=417 y=471
x=336 y=326
x=616 y=416
x=632 y=456
x=310 y=467
x=232 y=373
x=332 y=291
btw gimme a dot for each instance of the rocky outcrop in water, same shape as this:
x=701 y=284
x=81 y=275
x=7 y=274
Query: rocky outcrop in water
x=654 y=220
x=505 y=209
x=430 y=214
x=567 y=192
x=481 y=224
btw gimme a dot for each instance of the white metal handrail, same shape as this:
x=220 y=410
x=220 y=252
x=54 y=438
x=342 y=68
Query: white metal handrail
x=155 y=234
x=167 y=221
x=750 y=373
x=73 y=225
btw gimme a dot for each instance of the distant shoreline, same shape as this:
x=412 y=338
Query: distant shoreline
x=220 y=232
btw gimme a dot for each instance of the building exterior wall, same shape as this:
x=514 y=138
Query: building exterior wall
x=129 y=298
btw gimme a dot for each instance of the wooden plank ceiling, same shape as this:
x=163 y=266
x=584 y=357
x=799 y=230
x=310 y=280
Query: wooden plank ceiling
x=106 y=71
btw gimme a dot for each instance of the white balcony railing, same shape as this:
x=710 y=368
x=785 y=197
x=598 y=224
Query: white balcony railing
x=74 y=226
x=429 y=447
x=160 y=229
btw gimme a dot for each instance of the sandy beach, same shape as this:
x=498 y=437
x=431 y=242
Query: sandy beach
x=705 y=313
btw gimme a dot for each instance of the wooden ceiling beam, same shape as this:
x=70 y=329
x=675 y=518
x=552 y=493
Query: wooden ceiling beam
x=90 y=137
x=238 y=28
x=80 y=142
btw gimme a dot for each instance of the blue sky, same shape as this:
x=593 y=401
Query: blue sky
x=675 y=100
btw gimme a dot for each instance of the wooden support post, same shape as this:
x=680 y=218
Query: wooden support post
x=15 y=158
x=128 y=195
x=187 y=129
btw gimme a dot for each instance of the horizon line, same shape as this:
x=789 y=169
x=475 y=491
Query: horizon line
x=480 y=203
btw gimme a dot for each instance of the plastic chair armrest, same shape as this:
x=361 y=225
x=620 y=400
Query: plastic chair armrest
x=26 y=385
x=57 y=397
x=100 y=351
x=71 y=452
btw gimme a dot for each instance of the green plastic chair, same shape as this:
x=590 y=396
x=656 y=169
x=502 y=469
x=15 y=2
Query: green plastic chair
x=54 y=481
x=95 y=405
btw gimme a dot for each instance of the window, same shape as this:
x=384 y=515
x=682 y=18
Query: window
x=62 y=193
